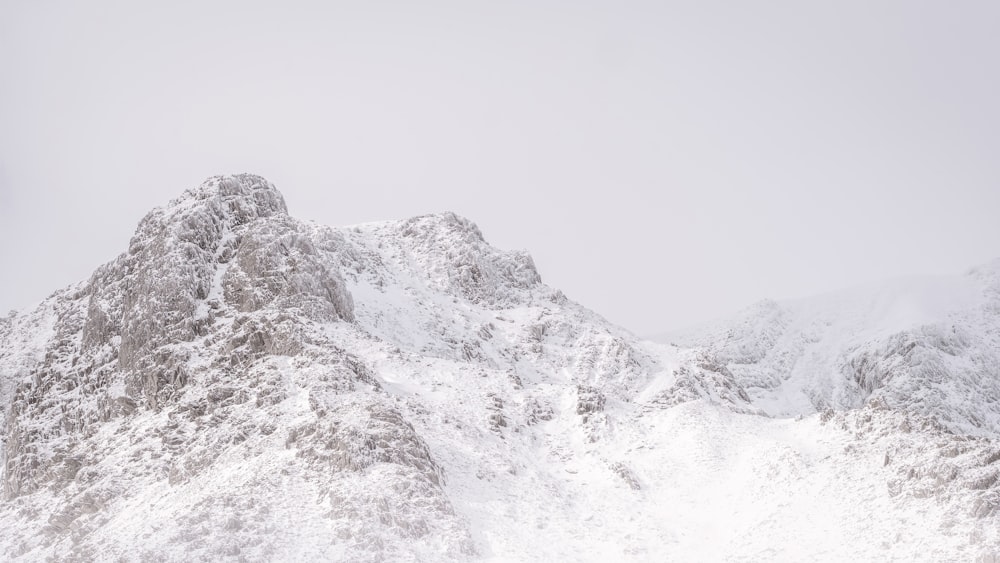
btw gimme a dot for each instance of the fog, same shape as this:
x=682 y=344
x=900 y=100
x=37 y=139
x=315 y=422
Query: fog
x=664 y=162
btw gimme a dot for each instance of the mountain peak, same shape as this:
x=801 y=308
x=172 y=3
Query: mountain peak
x=218 y=204
x=444 y=222
x=243 y=196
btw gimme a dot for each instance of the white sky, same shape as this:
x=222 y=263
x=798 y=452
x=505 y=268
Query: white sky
x=664 y=162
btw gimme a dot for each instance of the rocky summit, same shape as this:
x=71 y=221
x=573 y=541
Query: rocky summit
x=241 y=385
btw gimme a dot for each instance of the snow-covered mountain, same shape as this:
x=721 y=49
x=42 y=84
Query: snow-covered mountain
x=924 y=345
x=242 y=385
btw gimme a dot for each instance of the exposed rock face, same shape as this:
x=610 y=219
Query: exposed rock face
x=189 y=328
x=163 y=291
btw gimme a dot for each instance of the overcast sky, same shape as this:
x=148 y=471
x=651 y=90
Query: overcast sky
x=664 y=162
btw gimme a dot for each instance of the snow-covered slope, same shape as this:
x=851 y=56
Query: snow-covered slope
x=242 y=385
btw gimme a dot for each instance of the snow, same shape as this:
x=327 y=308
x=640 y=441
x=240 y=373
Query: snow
x=802 y=356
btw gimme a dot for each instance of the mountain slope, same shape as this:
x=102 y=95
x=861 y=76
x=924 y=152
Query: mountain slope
x=927 y=346
x=242 y=385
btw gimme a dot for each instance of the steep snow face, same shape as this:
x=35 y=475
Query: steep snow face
x=242 y=385
x=923 y=345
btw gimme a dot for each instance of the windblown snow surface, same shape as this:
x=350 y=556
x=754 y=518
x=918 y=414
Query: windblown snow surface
x=241 y=385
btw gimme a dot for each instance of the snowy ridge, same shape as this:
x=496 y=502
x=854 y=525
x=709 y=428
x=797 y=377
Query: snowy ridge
x=928 y=346
x=242 y=385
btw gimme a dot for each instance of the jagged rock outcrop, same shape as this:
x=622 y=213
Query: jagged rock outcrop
x=175 y=356
x=457 y=259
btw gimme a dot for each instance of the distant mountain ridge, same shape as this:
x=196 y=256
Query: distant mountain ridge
x=241 y=385
x=927 y=345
